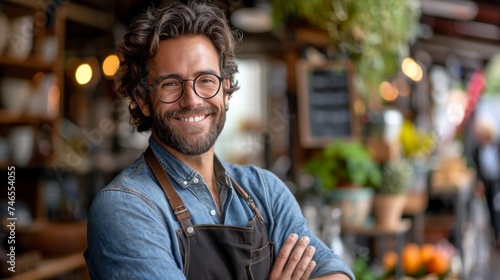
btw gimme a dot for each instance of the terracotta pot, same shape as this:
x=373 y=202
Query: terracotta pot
x=388 y=209
x=354 y=203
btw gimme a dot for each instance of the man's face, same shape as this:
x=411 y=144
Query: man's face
x=192 y=124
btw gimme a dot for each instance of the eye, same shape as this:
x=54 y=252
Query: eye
x=207 y=80
x=169 y=84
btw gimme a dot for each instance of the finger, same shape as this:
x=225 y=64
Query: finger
x=301 y=269
x=296 y=256
x=283 y=255
x=309 y=270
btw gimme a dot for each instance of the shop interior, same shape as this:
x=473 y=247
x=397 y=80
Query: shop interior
x=392 y=86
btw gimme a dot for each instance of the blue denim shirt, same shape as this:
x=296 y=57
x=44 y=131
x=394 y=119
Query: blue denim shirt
x=132 y=228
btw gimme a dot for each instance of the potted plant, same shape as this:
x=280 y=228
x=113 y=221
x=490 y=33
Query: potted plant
x=390 y=195
x=374 y=34
x=346 y=174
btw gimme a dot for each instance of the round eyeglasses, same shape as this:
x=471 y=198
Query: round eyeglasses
x=169 y=89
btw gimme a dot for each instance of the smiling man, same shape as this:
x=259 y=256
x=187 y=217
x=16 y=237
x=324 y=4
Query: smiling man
x=179 y=211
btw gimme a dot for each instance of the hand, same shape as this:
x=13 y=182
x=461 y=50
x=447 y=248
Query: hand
x=294 y=260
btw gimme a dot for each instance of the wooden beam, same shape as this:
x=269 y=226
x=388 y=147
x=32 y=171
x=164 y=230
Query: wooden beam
x=77 y=13
x=88 y=16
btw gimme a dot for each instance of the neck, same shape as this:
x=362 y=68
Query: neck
x=202 y=163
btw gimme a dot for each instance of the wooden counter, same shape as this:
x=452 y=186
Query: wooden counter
x=51 y=268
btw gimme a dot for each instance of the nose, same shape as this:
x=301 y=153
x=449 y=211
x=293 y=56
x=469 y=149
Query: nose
x=189 y=97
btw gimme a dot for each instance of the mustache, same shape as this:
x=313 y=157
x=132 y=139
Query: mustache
x=206 y=110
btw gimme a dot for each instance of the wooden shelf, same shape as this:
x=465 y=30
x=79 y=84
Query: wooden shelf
x=51 y=268
x=42 y=114
x=25 y=3
x=32 y=62
x=8 y=118
x=376 y=230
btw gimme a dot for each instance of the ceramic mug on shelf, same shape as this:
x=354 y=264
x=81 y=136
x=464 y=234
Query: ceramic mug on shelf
x=44 y=99
x=21 y=37
x=49 y=49
x=21 y=140
x=15 y=94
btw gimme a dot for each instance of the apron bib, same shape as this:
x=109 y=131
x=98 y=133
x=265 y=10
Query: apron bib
x=218 y=251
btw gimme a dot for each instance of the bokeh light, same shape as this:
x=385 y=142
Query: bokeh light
x=110 y=65
x=359 y=107
x=83 y=74
x=387 y=91
x=412 y=69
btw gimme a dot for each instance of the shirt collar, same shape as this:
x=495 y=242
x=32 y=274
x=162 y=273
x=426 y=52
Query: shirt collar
x=184 y=175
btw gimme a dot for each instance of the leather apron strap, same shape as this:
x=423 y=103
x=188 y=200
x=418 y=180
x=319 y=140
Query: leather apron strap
x=175 y=201
x=249 y=200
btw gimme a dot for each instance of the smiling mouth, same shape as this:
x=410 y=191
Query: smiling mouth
x=193 y=119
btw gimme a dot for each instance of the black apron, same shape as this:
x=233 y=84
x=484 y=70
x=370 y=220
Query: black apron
x=218 y=251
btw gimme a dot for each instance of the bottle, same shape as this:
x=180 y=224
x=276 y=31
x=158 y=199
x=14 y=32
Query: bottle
x=331 y=232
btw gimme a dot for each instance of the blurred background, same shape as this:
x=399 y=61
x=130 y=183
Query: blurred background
x=405 y=79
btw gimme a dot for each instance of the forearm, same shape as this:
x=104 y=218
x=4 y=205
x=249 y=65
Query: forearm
x=337 y=276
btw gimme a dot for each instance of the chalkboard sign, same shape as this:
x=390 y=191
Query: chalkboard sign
x=325 y=103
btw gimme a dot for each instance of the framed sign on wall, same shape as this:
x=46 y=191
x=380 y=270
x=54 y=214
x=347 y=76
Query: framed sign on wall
x=326 y=99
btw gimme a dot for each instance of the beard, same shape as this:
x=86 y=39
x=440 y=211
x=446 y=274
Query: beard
x=185 y=143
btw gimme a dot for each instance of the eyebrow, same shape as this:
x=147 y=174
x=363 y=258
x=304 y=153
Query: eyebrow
x=175 y=75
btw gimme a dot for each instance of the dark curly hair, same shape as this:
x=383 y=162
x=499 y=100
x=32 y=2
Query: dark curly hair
x=140 y=44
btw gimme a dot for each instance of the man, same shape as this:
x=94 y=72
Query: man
x=486 y=158
x=178 y=211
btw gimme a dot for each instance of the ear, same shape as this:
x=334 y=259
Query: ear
x=143 y=105
x=227 y=84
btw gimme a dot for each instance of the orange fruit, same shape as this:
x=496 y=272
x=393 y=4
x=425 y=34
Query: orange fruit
x=390 y=260
x=439 y=263
x=411 y=258
x=426 y=252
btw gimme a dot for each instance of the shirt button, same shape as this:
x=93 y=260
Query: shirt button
x=185 y=182
x=212 y=212
x=196 y=180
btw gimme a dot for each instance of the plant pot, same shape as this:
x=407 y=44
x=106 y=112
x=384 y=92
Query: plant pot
x=388 y=209
x=354 y=203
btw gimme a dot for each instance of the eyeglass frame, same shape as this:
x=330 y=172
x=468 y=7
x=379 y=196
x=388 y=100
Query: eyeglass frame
x=162 y=78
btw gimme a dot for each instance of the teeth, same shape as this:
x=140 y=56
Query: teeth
x=193 y=119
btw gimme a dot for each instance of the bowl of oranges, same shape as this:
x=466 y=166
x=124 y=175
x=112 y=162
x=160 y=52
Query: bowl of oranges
x=426 y=261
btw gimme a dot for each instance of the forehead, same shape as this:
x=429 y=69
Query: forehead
x=185 y=56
